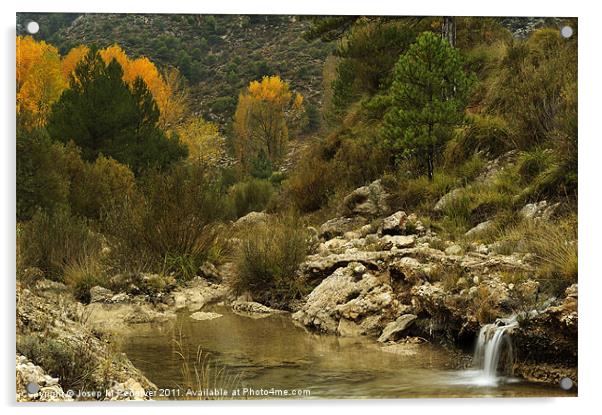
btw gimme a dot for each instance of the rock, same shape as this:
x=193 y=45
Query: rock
x=47 y=388
x=338 y=226
x=454 y=250
x=319 y=267
x=388 y=242
x=539 y=210
x=394 y=224
x=367 y=201
x=100 y=294
x=252 y=307
x=396 y=327
x=201 y=316
x=447 y=198
x=348 y=328
x=479 y=229
x=209 y=271
x=343 y=296
x=251 y=219
x=119 y=298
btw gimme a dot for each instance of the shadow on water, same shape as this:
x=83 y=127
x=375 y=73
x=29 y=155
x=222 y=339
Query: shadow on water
x=272 y=352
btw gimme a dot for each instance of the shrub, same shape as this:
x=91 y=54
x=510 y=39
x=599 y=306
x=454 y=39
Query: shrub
x=74 y=366
x=249 y=196
x=83 y=274
x=420 y=194
x=50 y=242
x=484 y=133
x=268 y=260
x=100 y=183
x=173 y=224
x=311 y=183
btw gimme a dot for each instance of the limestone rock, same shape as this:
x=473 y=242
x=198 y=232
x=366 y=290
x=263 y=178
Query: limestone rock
x=367 y=201
x=539 y=210
x=201 y=316
x=251 y=219
x=396 y=327
x=479 y=229
x=394 y=224
x=252 y=307
x=454 y=250
x=100 y=294
x=338 y=226
x=446 y=199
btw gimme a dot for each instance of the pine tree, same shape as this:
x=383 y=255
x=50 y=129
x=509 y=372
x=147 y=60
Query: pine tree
x=103 y=115
x=428 y=98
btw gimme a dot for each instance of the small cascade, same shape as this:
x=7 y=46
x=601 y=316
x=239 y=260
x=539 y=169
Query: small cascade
x=494 y=353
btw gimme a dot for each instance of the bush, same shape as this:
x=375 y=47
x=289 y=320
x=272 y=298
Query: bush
x=484 y=133
x=251 y=196
x=418 y=193
x=311 y=183
x=53 y=241
x=100 y=183
x=172 y=226
x=82 y=275
x=74 y=366
x=269 y=258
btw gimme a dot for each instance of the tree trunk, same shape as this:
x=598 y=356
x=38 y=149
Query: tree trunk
x=448 y=30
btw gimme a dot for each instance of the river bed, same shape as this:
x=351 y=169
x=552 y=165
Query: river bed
x=270 y=357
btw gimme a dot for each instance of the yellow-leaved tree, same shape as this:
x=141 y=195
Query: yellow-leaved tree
x=261 y=119
x=39 y=80
x=205 y=143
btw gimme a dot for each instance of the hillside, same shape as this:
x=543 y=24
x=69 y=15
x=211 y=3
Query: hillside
x=218 y=55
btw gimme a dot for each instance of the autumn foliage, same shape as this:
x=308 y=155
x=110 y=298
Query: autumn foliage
x=42 y=75
x=261 y=119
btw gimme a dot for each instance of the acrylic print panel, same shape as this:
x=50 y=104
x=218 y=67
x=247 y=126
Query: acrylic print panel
x=295 y=207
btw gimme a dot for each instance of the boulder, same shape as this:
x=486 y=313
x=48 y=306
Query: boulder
x=394 y=224
x=346 y=304
x=251 y=307
x=201 y=316
x=396 y=327
x=366 y=201
x=388 y=242
x=479 y=229
x=339 y=226
x=539 y=210
x=454 y=250
x=100 y=294
x=446 y=199
x=251 y=219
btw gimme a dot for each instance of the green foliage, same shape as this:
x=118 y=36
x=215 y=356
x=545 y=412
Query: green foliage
x=42 y=181
x=268 y=260
x=52 y=241
x=429 y=93
x=532 y=83
x=101 y=183
x=102 y=115
x=488 y=134
x=311 y=183
x=251 y=196
x=172 y=225
x=74 y=366
x=83 y=274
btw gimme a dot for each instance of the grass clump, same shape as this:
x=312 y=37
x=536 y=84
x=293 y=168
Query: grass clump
x=268 y=259
x=52 y=241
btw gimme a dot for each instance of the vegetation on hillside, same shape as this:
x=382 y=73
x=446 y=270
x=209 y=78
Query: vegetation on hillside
x=118 y=173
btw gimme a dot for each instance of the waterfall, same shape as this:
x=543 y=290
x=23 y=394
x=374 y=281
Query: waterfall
x=494 y=353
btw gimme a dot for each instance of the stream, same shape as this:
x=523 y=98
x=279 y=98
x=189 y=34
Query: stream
x=261 y=354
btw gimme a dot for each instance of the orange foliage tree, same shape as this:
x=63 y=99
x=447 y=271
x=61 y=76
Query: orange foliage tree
x=39 y=80
x=260 y=120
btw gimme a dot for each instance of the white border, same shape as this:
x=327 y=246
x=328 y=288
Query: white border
x=589 y=203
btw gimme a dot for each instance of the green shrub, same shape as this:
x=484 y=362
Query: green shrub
x=51 y=242
x=484 y=133
x=268 y=260
x=74 y=366
x=173 y=224
x=534 y=162
x=100 y=183
x=310 y=184
x=420 y=194
x=83 y=274
x=249 y=196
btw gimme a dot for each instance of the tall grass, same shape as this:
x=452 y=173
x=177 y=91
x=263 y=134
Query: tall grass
x=268 y=259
